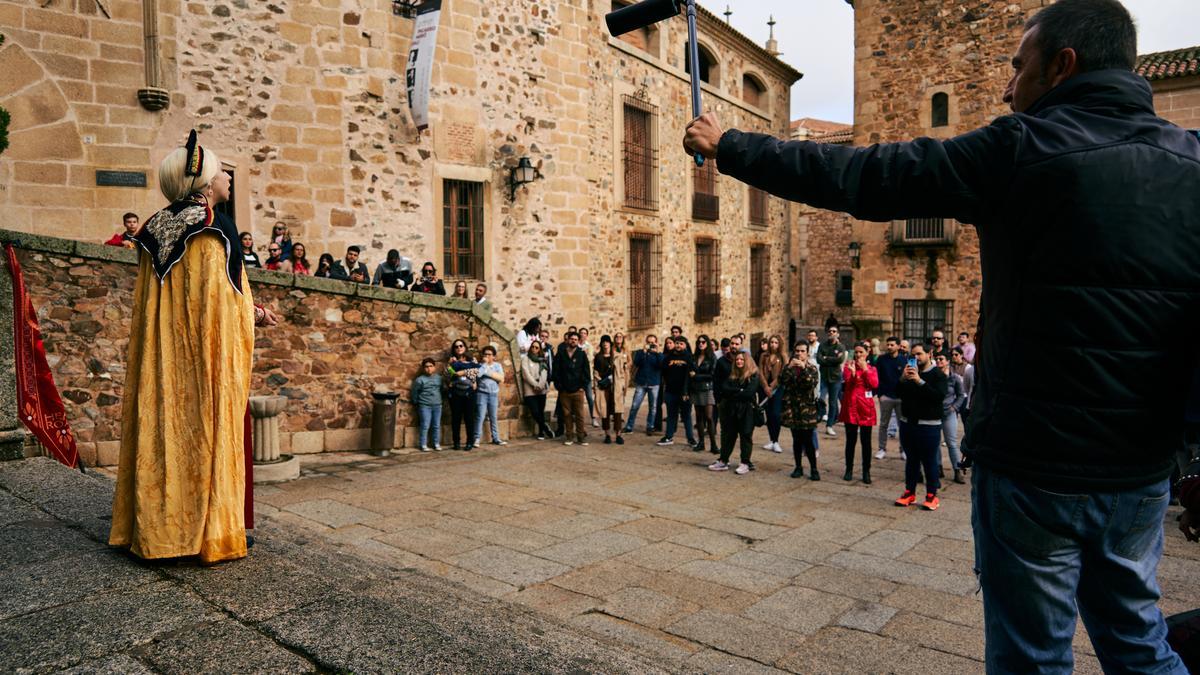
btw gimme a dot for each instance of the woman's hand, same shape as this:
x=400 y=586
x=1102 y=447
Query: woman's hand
x=1189 y=523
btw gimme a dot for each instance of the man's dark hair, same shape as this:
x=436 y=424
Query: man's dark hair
x=724 y=343
x=958 y=350
x=129 y=215
x=892 y=338
x=924 y=348
x=964 y=333
x=569 y=334
x=428 y=362
x=677 y=328
x=353 y=249
x=393 y=254
x=1100 y=31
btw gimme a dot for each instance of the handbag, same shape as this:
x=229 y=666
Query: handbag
x=760 y=413
x=605 y=383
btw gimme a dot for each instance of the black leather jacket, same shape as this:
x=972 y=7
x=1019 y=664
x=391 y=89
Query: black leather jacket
x=1088 y=212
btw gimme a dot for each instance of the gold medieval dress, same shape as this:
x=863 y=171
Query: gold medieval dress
x=181 y=478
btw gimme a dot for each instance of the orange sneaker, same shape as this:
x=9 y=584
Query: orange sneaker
x=931 y=502
x=907 y=499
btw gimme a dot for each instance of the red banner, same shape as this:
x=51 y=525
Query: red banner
x=41 y=408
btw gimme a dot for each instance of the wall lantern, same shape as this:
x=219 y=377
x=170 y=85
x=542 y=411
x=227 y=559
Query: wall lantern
x=855 y=254
x=519 y=175
x=405 y=8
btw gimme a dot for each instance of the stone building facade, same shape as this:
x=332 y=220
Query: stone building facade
x=304 y=101
x=935 y=69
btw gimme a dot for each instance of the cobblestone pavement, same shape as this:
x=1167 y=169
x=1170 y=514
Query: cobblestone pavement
x=641 y=544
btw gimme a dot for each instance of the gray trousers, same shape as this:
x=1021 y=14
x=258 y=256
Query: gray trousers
x=888 y=406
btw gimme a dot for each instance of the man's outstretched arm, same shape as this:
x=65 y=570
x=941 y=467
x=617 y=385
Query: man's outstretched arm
x=921 y=178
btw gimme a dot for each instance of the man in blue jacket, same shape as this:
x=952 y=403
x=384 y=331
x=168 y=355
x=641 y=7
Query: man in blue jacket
x=889 y=367
x=1087 y=207
x=647 y=374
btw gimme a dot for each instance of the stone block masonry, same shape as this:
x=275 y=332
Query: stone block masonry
x=336 y=342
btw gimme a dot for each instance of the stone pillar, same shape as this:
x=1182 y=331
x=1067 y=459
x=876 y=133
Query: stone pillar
x=12 y=435
x=269 y=465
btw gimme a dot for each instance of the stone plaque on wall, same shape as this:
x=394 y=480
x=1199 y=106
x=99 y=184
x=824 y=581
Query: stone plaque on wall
x=120 y=178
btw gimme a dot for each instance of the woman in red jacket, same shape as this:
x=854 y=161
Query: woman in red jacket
x=858 y=409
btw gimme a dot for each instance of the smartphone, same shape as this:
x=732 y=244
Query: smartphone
x=912 y=362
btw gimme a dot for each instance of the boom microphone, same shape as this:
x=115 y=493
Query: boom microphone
x=640 y=15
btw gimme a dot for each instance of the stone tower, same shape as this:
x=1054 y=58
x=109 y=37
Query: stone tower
x=922 y=68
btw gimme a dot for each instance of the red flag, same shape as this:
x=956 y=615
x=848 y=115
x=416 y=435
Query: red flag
x=41 y=408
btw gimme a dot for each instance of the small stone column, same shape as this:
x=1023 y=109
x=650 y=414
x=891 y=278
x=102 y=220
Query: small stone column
x=269 y=465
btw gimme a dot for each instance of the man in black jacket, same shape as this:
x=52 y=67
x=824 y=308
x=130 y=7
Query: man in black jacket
x=921 y=390
x=572 y=372
x=1087 y=207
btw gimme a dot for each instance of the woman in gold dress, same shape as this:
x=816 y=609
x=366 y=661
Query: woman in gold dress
x=181 y=479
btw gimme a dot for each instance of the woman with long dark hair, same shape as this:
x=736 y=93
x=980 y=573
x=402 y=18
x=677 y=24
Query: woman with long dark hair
x=529 y=334
x=299 y=261
x=770 y=366
x=702 y=392
x=536 y=372
x=461 y=369
x=249 y=257
x=860 y=379
x=324 y=266
x=738 y=394
x=610 y=375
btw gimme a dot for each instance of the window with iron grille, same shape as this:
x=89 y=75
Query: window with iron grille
x=708 y=280
x=640 y=153
x=462 y=229
x=758 y=207
x=706 y=204
x=645 y=280
x=923 y=232
x=760 y=291
x=915 y=320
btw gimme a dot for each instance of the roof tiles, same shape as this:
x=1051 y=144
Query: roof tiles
x=1166 y=65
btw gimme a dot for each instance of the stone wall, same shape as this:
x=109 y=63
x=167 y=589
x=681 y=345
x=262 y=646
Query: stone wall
x=335 y=344
x=905 y=52
x=1178 y=100
x=304 y=101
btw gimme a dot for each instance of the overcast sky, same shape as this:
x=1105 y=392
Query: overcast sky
x=817 y=38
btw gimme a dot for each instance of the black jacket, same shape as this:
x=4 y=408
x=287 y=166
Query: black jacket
x=677 y=366
x=571 y=372
x=703 y=378
x=923 y=402
x=721 y=372
x=1088 y=212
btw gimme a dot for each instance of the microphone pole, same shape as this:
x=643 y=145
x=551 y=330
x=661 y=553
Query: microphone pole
x=694 y=62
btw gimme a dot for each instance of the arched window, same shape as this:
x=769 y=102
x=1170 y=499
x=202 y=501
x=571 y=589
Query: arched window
x=709 y=69
x=940 y=110
x=753 y=91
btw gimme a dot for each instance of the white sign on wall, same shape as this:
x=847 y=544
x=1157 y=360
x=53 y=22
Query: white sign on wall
x=881 y=287
x=420 y=60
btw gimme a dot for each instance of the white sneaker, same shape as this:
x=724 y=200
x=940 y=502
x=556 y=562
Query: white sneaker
x=742 y=469
x=437 y=447
x=829 y=431
x=769 y=445
x=880 y=454
x=775 y=447
x=498 y=442
x=718 y=466
x=583 y=442
x=568 y=442
x=596 y=423
x=423 y=449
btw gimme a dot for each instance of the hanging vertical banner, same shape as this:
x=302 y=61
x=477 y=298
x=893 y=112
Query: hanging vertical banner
x=420 y=60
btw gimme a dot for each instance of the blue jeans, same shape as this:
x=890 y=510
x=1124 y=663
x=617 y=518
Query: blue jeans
x=431 y=417
x=486 y=404
x=775 y=414
x=677 y=407
x=920 y=443
x=640 y=392
x=950 y=435
x=1040 y=555
x=832 y=393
